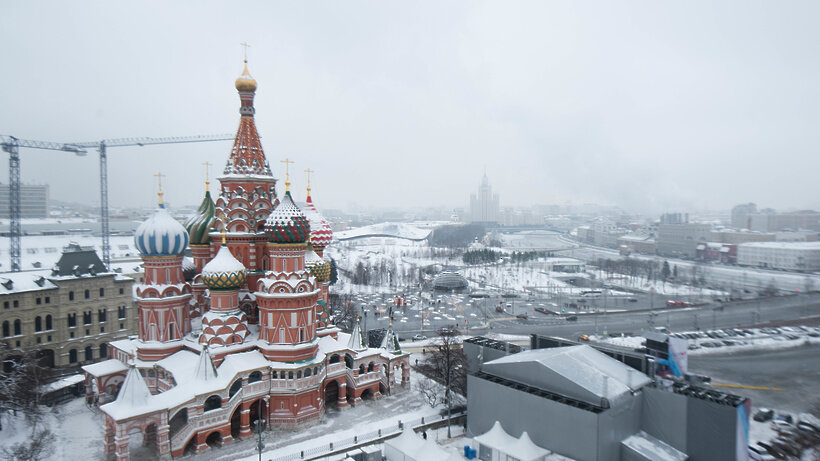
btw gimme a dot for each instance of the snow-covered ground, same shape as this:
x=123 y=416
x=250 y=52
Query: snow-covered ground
x=397 y=229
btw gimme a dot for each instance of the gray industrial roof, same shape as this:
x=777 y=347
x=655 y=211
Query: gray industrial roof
x=579 y=372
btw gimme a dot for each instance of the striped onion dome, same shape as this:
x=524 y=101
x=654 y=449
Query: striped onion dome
x=320 y=232
x=199 y=225
x=317 y=266
x=224 y=272
x=161 y=235
x=286 y=223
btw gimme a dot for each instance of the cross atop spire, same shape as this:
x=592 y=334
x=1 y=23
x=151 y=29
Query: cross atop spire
x=308 y=171
x=207 y=181
x=287 y=163
x=159 y=190
x=245 y=46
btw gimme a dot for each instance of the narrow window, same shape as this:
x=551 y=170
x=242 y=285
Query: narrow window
x=72 y=356
x=89 y=354
x=38 y=324
x=17 y=328
x=71 y=296
x=6 y=329
x=49 y=323
x=87 y=294
x=102 y=292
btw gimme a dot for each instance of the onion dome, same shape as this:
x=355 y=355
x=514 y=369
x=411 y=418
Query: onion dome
x=161 y=235
x=245 y=82
x=201 y=222
x=287 y=223
x=224 y=272
x=317 y=266
x=321 y=235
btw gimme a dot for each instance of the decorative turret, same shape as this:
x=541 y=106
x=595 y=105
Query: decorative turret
x=201 y=223
x=287 y=223
x=356 y=341
x=317 y=266
x=321 y=235
x=390 y=343
x=224 y=272
x=161 y=235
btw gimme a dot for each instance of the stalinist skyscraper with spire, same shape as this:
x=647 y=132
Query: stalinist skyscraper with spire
x=484 y=206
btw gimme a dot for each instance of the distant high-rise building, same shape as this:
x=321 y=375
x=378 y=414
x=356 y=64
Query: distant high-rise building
x=741 y=214
x=33 y=201
x=484 y=206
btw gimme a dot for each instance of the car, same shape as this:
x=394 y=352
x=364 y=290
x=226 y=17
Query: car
x=584 y=337
x=784 y=418
x=419 y=337
x=757 y=453
x=521 y=316
x=572 y=318
x=763 y=415
x=632 y=300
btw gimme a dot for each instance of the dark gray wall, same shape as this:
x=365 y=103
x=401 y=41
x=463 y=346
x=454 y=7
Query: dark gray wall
x=665 y=416
x=558 y=427
x=472 y=350
x=711 y=430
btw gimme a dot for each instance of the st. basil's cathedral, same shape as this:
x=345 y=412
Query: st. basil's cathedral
x=240 y=332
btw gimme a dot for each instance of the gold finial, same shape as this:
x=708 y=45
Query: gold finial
x=207 y=182
x=287 y=163
x=309 y=171
x=159 y=190
x=224 y=220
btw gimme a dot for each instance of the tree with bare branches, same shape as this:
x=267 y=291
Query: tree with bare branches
x=446 y=363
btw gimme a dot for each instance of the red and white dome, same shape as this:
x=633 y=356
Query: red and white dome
x=321 y=235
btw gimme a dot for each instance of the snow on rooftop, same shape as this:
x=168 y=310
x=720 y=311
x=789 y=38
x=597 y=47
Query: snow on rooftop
x=579 y=372
x=395 y=229
x=104 y=368
x=521 y=448
x=652 y=448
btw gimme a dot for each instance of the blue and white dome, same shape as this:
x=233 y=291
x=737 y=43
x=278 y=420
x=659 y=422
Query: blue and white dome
x=161 y=235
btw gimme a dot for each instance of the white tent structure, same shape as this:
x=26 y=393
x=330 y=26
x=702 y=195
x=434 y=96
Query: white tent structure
x=410 y=447
x=502 y=446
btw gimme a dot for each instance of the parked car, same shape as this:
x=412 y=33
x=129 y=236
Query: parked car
x=763 y=414
x=572 y=318
x=419 y=337
x=785 y=418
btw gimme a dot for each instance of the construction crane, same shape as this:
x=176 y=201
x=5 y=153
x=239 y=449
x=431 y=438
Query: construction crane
x=11 y=145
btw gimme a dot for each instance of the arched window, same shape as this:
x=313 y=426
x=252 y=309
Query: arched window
x=103 y=350
x=254 y=377
x=299 y=374
x=214 y=402
x=72 y=356
x=290 y=374
x=6 y=329
x=49 y=325
x=334 y=358
x=361 y=369
x=349 y=361
x=273 y=375
x=89 y=354
x=235 y=387
x=38 y=324
x=307 y=372
x=370 y=367
x=17 y=327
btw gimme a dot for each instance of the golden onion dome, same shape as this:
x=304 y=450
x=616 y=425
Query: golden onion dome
x=245 y=82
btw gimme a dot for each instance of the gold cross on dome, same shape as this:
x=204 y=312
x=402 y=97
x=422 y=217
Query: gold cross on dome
x=309 y=171
x=245 y=46
x=207 y=182
x=224 y=220
x=159 y=190
x=287 y=163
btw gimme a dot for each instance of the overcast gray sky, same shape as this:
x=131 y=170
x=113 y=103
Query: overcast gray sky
x=649 y=105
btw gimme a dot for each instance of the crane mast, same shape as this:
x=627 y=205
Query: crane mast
x=12 y=145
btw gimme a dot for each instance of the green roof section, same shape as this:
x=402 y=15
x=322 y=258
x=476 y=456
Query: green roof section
x=200 y=224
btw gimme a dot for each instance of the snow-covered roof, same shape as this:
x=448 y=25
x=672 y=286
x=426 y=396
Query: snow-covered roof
x=578 y=372
x=223 y=263
x=104 y=368
x=393 y=229
x=521 y=448
x=651 y=448
x=133 y=398
x=413 y=447
x=18 y=282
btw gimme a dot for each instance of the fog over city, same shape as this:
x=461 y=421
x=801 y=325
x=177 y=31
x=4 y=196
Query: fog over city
x=643 y=105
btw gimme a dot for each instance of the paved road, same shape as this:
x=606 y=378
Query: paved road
x=795 y=370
